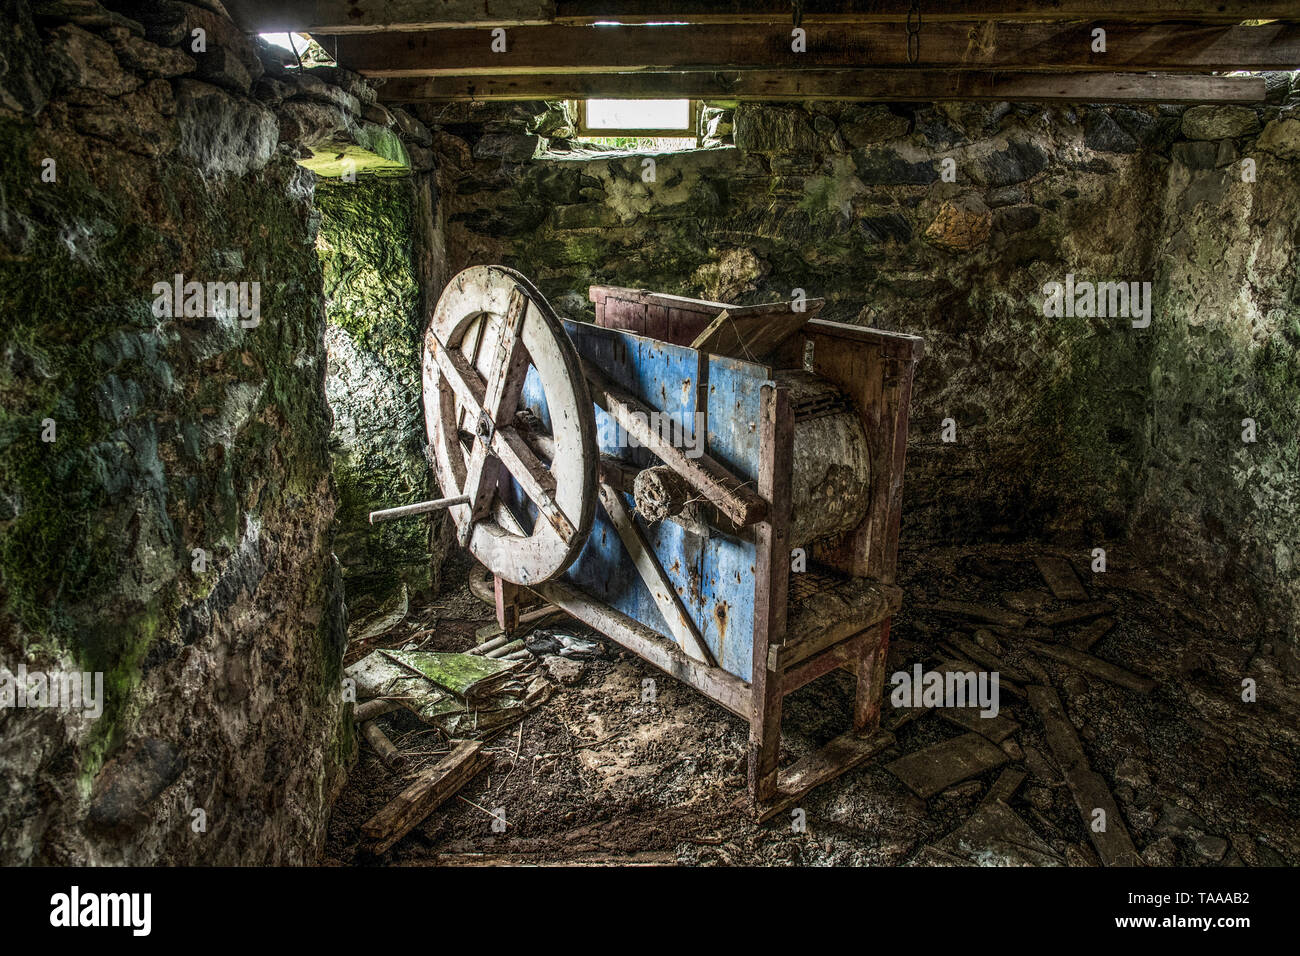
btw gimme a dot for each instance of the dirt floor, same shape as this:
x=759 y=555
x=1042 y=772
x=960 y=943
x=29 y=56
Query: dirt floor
x=602 y=773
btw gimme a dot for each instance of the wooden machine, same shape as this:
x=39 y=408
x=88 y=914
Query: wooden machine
x=664 y=474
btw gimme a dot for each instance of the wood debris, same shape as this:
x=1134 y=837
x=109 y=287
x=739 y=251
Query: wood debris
x=1078 y=612
x=840 y=755
x=959 y=666
x=997 y=728
x=405 y=811
x=461 y=694
x=374 y=708
x=1005 y=787
x=1060 y=577
x=390 y=755
x=1113 y=843
x=980 y=612
x=994 y=835
x=938 y=767
x=969 y=649
x=1090 y=635
x=1096 y=666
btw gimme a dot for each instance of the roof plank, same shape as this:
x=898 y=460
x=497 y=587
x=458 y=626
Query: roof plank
x=863 y=85
x=366 y=16
x=949 y=45
x=359 y=16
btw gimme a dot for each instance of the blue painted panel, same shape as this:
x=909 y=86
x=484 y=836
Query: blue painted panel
x=735 y=394
x=534 y=397
x=605 y=570
x=663 y=376
x=715 y=575
x=715 y=578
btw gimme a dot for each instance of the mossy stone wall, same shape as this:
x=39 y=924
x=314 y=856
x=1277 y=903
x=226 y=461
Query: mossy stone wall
x=375 y=311
x=174 y=533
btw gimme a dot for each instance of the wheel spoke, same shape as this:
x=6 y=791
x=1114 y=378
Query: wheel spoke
x=510 y=364
x=462 y=377
x=533 y=478
x=484 y=404
x=481 y=481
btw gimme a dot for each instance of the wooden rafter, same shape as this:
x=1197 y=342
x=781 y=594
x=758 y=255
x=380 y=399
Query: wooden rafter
x=862 y=85
x=859 y=11
x=364 y=16
x=949 y=45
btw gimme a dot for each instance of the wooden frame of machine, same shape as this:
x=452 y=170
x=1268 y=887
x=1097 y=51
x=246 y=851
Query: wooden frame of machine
x=668 y=482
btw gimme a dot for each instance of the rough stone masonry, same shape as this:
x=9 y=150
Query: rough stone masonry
x=167 y=508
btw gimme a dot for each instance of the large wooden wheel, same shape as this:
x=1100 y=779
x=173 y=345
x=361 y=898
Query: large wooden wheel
x=489 y=328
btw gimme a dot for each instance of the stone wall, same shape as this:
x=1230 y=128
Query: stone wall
x=1227 y=348
x=1071 y=428
x=375 y=309
x=166 y=502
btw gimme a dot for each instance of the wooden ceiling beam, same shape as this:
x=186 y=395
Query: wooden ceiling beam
x=869 y=85
x=864 y=11
x=365 y=16
x=949 y=45
x=362 y=16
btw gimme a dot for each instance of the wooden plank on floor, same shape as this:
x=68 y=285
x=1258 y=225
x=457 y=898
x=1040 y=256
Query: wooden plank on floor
x=1005 y=787
x=1060 y=577
x=957 y=665
x=1016 y=45
x=1074 y=613
x=1095 y=666
x=973 y=650
x=981 y=612
x=930 y=856
x=1114 y=845
x=405 y=812
x=938 y=767
x=997 y=728
x=878 y=86
x=1090 y=635
x=995 y=835
x=835 y=759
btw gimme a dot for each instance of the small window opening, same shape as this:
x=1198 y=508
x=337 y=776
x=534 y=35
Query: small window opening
x=300 y=49
x=649 y=125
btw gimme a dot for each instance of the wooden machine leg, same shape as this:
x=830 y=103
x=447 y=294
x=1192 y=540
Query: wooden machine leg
x=764 y=736
x=772 y=574
x=871 y=679
x=507 y=604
